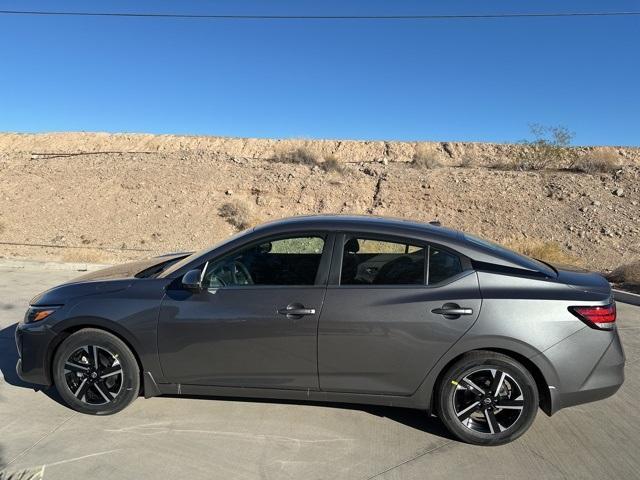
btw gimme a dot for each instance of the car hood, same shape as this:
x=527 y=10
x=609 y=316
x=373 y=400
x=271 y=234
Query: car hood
x=129 y=270
x=109 y=279
x=62 y=293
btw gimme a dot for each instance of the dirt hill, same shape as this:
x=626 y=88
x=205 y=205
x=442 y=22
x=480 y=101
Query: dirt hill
x=115 y=197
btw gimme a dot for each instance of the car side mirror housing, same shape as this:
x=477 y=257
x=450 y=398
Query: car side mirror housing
x=192 y=280
x=264 y=247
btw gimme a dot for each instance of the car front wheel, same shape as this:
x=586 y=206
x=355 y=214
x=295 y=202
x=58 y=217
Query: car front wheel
x=95 y=372
x=487 y=398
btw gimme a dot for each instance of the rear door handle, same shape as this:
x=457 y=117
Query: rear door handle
x=452 y=310
x=296 y=310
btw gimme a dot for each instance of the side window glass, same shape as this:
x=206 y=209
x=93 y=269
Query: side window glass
x=442 y=265
x=376 y=262
x=288 y=261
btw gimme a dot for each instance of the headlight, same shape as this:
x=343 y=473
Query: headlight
x=37 y=314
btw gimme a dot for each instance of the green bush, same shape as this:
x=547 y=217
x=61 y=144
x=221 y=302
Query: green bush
x=550 y=147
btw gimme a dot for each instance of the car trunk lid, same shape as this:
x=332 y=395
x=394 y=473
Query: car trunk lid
x=583 y=279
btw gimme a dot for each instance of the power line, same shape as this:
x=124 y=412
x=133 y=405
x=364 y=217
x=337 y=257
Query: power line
x=91 y=247
x=318 y=17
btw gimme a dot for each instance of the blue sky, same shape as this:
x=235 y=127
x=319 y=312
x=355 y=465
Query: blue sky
x=472 y=80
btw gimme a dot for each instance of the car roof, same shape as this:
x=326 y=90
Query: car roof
x=336 y=222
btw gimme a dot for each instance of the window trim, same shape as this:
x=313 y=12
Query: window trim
x=323 y=267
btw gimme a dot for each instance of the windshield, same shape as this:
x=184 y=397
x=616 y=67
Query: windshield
x=185 y=261
x=505 y=252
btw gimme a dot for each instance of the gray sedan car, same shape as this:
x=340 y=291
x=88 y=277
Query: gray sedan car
x=340 y=309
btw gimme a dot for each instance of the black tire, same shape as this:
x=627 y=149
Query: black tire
x=497 y=418
x=97 y=390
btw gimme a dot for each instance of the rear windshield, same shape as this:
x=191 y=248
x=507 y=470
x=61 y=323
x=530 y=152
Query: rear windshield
x=499 y=250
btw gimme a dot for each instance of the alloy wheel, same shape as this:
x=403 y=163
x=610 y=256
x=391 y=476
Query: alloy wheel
x=94 y=375
x=488 y=400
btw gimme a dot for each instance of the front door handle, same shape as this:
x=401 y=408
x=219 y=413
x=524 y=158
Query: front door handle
x=296 y=310
x=452 y=310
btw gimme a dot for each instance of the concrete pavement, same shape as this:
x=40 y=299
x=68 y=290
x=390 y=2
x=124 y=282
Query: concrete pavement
x=214 y=438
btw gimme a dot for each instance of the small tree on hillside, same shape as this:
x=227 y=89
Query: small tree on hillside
x=550 y=145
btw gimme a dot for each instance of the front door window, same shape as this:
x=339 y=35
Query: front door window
x=282 y=262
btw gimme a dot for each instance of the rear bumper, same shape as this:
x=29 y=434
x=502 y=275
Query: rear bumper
x=589 y=367
x=34 y=344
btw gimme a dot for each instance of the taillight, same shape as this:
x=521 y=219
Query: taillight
x=602 y=318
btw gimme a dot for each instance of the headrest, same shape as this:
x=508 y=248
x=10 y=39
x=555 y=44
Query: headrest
x=352 y=246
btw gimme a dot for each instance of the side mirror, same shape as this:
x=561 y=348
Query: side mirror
x=192 y=280
x=264 y=247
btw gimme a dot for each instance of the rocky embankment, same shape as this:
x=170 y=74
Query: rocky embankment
x=105 y=198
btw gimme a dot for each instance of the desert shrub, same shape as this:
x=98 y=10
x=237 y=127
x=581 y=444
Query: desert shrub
x=301 y=156
x=424 y=158
x=467 y=161
x=238 y=214
x=332 y=164
x=550 y=146
x=304 y=156
x=595 y=162
x=503 y=164
x=544 y=250
x=629 y=273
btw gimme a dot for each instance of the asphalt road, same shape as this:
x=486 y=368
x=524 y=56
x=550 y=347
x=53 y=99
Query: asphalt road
x=240 y=439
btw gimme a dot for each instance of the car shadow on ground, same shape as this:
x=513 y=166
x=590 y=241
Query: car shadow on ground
x=416 y=419
x=8 y=360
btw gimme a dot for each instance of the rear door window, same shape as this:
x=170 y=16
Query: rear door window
x=367 y=261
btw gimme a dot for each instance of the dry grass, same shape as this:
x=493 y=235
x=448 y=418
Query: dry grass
x=596 y=162
x=3 y=227
x=304 y=156
x=467 y=161
x=85 y=255
x=629 y=273
x=332 y=164
x=542 y=158
x=538 y=158
x=426 y=159
x=239 y=214
x=301 y=156
x=504 y=164
x=544 y=250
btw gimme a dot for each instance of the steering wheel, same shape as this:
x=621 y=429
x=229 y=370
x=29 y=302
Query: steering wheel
x=233 y=272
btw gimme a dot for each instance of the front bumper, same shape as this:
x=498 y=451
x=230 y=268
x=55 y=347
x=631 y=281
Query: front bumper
x=35 y=343
x=589 y=367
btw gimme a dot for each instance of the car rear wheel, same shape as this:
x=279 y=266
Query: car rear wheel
x=487 y=398
x=95 y=372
